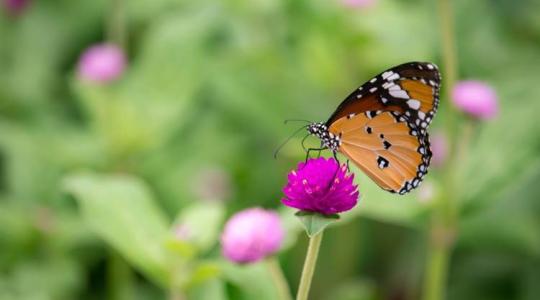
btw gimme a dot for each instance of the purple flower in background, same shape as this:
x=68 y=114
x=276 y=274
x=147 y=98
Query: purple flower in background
x=212 y=183
x=359 y=3
x=251 y=235
x=439 y=148
x=101 y=63
x=183 y=232
x=322 y=186
x=15 y=7
x=475 y=98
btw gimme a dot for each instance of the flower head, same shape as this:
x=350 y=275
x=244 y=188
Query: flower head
x=251 y=235
x=475 y=98
x=322 y=186
x=359 y=3
x=15 y=7
x=101 y=63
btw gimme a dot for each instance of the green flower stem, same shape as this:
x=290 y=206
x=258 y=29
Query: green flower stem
x=449 y=56
x=309 y=266
x=280 y=283
x=445 y=217
x=116 y=23
x=436 y=273
x=119 y=278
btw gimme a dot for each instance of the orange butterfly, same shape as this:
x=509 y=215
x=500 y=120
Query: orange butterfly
x=382 y=126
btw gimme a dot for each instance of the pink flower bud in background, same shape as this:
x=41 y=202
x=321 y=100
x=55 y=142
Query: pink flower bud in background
x=101 y=63
x=439 y=149
x=252 y=235
x=359 y=3
x=476 y=98
x=183 y=232
x=15 y=7
x=212 y=184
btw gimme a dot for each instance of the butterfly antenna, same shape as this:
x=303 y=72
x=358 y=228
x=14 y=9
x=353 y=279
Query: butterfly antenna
x=287 y=140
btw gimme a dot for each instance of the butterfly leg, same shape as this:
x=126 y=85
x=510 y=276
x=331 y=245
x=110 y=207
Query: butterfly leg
x=336 y=158
x=312 y=149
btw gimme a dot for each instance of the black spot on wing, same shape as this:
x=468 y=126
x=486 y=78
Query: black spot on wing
x=382 y=162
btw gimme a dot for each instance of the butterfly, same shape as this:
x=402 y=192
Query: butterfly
x=382 y=126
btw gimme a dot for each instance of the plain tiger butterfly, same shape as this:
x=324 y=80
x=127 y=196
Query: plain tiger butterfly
x=382 y=125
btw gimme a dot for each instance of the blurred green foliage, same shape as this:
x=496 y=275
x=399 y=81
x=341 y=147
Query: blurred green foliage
x=95 y=179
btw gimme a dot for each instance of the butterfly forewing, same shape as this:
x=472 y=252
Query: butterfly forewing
x=410 y=89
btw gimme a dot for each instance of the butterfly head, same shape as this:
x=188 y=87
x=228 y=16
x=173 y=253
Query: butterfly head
x=328 y=139
x=317 y=128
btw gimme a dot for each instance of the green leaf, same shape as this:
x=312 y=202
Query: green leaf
x=180 y=248
x=203 y=221
x=203 y=272
x=253 y=280
x=210 y=289
x=315 y=222
x=121 y=210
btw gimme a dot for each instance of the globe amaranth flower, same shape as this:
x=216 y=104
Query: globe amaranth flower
x=101 y=63
x=321 y=185
x=359 y=3
x=15 y=7
x=475 y=98
x=251 y=235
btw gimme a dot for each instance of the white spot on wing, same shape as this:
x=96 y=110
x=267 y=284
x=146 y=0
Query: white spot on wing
x=399 y=94
x=414 y=104
x=387 y=74
x=394 y=76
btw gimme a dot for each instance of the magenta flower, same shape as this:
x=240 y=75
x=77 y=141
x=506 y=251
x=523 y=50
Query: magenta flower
x=476 y=98
x=101 y=63
x=439 y=149
x=322 y=186
x=359 y=3
x=252 y=235
x=15 y=7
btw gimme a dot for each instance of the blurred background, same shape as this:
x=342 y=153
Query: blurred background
x=116 y=185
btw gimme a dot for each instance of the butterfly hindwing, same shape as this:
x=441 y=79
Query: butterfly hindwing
x=386 y=146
